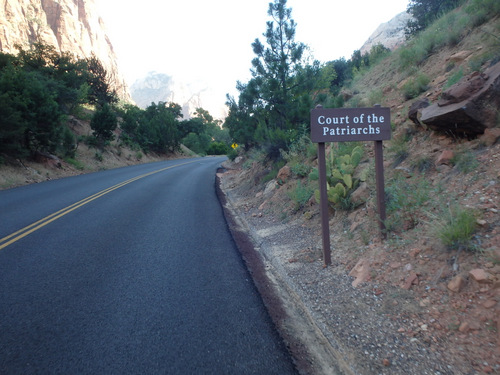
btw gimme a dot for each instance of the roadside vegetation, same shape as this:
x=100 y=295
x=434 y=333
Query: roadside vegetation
x=42 y=90
x=270 y=118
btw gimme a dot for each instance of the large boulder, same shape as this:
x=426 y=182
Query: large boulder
x=415 y=111
x=468 y=107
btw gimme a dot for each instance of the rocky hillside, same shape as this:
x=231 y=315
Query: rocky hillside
x=69 y=25
x=415 y=302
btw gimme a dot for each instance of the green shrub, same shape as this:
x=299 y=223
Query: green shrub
x=457 y=228
x=68 y=146
x=375 y=97
x=465 y=161
x=422 y=164
x=415 y=86
x=482 y=10
x=454 y=78
x=75 y=163
x=300 y=195
x=232 y=154
x=399 y=147
x=218 y=148
x=405 y=200
x=104 y=123
x=314 y=175
x=300 y=169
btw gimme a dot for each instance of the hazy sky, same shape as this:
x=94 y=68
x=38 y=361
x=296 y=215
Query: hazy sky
x=208 y=42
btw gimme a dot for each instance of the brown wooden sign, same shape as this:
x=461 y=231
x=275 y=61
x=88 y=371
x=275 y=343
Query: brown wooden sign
x=350 y=124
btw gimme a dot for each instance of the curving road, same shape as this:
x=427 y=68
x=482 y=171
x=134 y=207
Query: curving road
x=129 y=271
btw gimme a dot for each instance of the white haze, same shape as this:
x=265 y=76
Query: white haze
x=207 y=44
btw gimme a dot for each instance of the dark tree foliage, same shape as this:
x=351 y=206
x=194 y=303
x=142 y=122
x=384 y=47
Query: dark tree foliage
x=275 y=102
x=203 y=135
x=132 y=116
x=242 y=121
x=38 y=87
x=154 y=129
x=69 y=76
x=104 y=123
x=275 y=65
x=30 y=117
x=424 y=12
x=97 y=80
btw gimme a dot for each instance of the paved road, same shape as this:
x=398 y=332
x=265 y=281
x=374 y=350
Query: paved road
x=128 y=271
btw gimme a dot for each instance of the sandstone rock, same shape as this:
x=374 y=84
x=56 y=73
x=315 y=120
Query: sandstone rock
x=360 y=195
x=411 y=280
x=487 y=369
x=68 y=25
x=284 y=175
x=263 y=205
x=406 y=172
x=459 y=56
x=346 y=94
x=464 y=327
x=48 y=159
x=270 y=188
x=495 y=255
x=361 y=272
x=457 y=283
x=469 y=106
x=445 y=157
x=480 y=275
x=489 y=304
x=490 y=136
x=415 y=111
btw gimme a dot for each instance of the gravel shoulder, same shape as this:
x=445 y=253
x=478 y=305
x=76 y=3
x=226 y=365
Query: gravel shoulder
x=331 y=326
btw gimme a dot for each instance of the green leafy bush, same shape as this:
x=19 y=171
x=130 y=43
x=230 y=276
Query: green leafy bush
x=218 y=148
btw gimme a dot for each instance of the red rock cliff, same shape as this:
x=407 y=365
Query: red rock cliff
x=69 y=25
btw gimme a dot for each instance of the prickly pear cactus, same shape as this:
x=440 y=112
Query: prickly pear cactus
x=339 y=171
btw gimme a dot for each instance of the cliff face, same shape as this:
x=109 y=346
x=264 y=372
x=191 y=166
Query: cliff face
x=390 y=34
x=69 y=25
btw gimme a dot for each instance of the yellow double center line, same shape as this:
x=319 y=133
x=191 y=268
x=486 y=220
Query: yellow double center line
x=16 y=236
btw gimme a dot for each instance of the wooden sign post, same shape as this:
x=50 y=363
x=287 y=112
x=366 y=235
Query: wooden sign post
x=349 y=125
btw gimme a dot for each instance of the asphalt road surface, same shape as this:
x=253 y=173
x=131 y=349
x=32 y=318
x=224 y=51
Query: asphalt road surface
x=129 y=271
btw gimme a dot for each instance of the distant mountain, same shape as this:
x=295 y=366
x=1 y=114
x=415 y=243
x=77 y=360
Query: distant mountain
x=158 y=87
x=390 y=34
x=69 y=25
